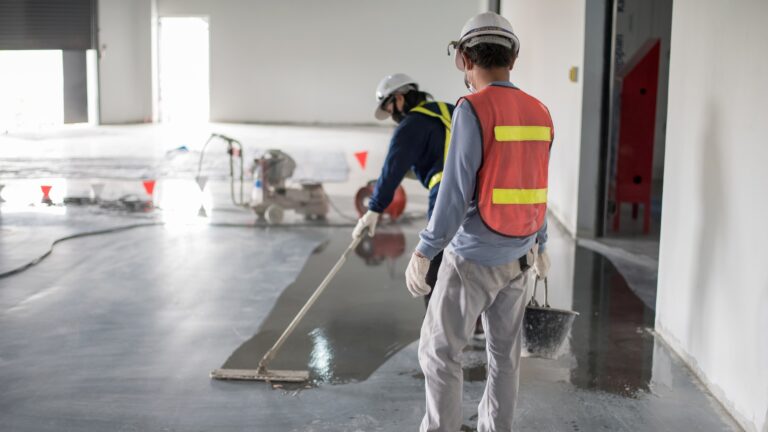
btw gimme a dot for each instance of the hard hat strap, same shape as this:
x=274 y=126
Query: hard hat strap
x=489 y=39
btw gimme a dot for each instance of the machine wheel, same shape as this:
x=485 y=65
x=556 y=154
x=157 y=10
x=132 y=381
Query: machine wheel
x=274 y=214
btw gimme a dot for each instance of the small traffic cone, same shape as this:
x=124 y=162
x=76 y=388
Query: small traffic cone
x=362 y=158
x=149 y=186
x=46 y=197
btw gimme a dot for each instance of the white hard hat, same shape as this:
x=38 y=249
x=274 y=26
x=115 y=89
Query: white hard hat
x=487 y=27
x=389 y=85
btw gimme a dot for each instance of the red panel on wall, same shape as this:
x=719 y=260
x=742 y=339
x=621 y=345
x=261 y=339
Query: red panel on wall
x=637 y=125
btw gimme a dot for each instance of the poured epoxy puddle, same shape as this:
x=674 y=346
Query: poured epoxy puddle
x=613 y=352
x=363 y=318
x=609 y=349
x=366 y=316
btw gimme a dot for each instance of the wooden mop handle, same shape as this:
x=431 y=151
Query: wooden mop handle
x=299 y=316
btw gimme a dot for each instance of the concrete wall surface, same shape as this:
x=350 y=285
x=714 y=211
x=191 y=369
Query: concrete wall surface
x=125 y=61
x=713 y=278
x=547 y=53
x=319 y=62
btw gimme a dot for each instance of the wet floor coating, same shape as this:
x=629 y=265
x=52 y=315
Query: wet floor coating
x=119 y=332
x=364 y=317
x=611 y=341
x=112 y=326
x=611 y=345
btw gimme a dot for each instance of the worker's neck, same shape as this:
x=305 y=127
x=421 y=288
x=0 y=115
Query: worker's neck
x=484 y=77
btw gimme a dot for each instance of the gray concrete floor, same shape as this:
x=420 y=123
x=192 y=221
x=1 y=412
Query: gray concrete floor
x=120 y=331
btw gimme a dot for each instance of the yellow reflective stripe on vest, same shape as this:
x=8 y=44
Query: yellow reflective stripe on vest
x=519 y=196
x=522 y=133
x=437 y=178
x=445 y=117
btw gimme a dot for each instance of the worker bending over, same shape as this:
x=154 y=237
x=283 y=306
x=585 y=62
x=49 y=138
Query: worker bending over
x=417 y=148
x=490 y=213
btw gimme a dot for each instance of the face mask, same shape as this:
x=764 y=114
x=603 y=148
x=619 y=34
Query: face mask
x=397 y=116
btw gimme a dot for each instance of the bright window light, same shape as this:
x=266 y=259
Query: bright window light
x=31 y=90
x=183 y=69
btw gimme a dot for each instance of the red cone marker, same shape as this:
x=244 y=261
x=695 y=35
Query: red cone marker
x=149 y=186
x=46 y=190
x=362 y=158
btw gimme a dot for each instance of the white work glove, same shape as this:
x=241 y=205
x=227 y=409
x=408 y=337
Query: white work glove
x=541 y=265
x=368 y=221
x=416 y=275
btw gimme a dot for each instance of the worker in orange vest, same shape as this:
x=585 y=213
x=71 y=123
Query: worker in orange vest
x=490 y=217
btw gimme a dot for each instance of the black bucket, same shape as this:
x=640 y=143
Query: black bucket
x=545 y=328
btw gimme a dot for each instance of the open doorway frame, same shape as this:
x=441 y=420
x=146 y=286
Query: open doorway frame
x=183 y=69
x=617 y=32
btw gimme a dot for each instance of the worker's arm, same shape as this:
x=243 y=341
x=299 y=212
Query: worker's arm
x=541 y=236
x=404 y=150
x=457 y=188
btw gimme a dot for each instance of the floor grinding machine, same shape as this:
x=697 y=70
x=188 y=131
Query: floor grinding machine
x=271 y=195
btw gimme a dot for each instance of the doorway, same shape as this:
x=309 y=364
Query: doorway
x=621 y=177
x=637 y=120
x=31 y=85
x=183 y=70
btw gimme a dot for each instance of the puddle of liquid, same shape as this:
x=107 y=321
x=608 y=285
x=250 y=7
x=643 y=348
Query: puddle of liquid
x=613 y=350
x=610 y=349
x=366 y=316
x=363 y=318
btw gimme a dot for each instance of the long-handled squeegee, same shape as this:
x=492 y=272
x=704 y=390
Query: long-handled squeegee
x=262 y=372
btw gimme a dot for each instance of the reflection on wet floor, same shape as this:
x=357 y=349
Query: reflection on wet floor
x=610 y=340
x=142 y=317
x=364 y=317
x=611 y=349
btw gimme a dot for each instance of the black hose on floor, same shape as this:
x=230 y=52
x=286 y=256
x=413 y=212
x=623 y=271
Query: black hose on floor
x=407 y=217
x=47 y=253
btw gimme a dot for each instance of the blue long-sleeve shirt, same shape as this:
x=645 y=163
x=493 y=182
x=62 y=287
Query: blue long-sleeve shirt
x=418 y=143
x=455 y=222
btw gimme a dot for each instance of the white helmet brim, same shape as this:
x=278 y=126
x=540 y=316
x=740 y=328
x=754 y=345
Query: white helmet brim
x=380 y=113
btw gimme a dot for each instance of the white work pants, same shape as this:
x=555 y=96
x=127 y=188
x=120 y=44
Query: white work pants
x=464 y=291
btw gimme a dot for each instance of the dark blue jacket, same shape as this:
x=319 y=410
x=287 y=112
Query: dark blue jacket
x=417 y=143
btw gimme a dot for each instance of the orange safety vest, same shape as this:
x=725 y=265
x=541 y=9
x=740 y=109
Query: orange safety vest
x=517 y=136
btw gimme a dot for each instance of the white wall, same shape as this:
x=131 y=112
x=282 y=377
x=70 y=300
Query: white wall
x=712 y=303
x=546 y=55
x=307 y=61
x=125 y=61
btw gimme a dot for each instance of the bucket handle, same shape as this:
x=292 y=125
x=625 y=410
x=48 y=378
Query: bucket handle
x=533 y=301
